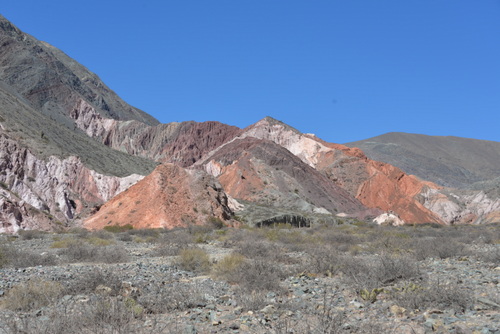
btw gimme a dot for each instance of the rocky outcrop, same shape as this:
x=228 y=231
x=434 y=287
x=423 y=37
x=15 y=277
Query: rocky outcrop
x=389 y=218
x=37 y=193
x=169 y=197
x=459 y=207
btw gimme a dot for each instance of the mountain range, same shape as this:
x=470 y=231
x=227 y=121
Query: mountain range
x=73 y=153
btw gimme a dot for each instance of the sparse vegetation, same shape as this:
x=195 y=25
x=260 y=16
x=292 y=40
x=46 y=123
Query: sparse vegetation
x=309 y=280
x=118 y=228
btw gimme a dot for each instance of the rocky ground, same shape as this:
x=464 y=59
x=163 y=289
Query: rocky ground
x=335 y=279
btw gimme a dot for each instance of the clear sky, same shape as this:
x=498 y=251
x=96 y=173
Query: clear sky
x=343 y=69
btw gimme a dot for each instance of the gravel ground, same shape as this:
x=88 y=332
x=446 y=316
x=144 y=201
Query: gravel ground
x=195 y=303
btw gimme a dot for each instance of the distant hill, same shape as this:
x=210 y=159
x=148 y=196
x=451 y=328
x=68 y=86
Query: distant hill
x=447 y=161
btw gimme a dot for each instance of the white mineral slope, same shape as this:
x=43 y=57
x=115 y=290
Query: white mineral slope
x=59 y=189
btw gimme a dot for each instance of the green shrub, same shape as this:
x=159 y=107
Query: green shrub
x=64 y=243
x=118 y=228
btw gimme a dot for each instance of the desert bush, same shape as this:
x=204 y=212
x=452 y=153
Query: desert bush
x=322 y=260
x=101 y=315
x=370 y=274
x=3 y=256
x=146 y=232
x=433 y=295
x=215 y=222
x=228 y=268
x=79 y=231
x=31 y=234
x=488 y=256
x=124 y=237
x=258 y=249
x=102 y=234
x=108 y=312
x=194 y=259
x=96 y=241
x=22 y=259
x=442 y=248
x=171 y=242
x=177 y=236
x=32 y=295
x=260 y=275
x=82 y=252
x=118 y=228
x=175 y=296
x=87 y=283
x=251 y=300
x=65 y=242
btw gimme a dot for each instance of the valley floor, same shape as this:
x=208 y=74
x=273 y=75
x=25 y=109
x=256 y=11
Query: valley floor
x=325 y=279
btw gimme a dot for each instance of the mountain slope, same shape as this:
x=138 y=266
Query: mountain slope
x=51 y=173
x=52 y=82
x=261 y=171
x=447 y=161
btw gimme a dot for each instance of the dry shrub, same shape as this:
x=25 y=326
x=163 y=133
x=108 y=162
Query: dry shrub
x=370 y=274
x=118 y=228
x=489 y=256
x=228 y=267
x=65 y=242
x=171 y=297
x=32 y=295
x=262 y=249
x=251 y=300
x=171 y=242
x=260 y=275
x=23 y=259
x=194 y=259
x=31 y=234
x=109 y=315
x=146 y=233
x=442 y=248
x=102 y=234
x=99 y=315
x=88 y=282
x=433 y=295
x=322 y=260
x=82 y=252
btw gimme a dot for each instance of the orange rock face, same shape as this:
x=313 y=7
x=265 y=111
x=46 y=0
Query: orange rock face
x=169 y=197
x=376 y=185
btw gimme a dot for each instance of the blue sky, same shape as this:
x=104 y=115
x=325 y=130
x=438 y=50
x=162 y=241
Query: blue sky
x=344 y=70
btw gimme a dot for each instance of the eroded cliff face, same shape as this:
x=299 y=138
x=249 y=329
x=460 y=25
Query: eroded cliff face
x=180 y=143
x=458 y=207
x=38 y=193
x=169 y=197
